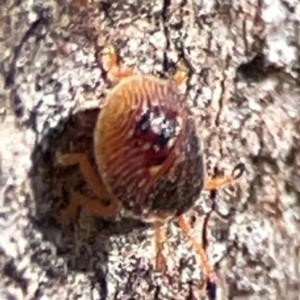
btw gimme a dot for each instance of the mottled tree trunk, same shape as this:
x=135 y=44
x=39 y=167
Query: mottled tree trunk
x=243 y=58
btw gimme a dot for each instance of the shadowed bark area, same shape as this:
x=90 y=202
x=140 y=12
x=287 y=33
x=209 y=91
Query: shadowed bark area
x=243 y=58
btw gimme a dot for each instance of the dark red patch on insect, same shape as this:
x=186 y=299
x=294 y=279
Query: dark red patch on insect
x=156 y=130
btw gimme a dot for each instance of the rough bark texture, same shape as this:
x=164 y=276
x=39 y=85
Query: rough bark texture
x=243 y=58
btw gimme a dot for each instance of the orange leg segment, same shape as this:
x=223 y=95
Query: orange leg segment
x=181 y=75
x=95 y=206
x=189 y=231
x=91 y=177
x=114 y=71
x=159 y=239
x=211 y=183
x=217 y=182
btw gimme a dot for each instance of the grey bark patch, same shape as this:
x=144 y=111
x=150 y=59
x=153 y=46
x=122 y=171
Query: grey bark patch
x=254 y=121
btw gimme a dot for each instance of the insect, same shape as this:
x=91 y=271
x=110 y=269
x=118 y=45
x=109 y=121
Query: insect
x=149 y=157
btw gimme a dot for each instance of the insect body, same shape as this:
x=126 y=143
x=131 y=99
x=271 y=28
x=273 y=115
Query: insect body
x=148 y=155
x=147 y=150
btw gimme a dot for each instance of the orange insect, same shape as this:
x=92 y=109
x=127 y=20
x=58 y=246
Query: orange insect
x=149 y=158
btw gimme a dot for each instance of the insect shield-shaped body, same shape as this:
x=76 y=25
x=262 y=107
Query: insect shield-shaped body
x=147 y=150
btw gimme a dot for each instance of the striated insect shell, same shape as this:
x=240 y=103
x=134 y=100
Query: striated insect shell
x=147 y=150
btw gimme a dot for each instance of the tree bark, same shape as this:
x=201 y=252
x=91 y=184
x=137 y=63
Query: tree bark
x=243 y=58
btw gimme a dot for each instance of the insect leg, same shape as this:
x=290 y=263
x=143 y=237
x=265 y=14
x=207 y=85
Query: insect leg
x=207 y=267
x=159 y=239
x=96 y=185
x=219 y=181
x=115 y=72
x=180 y=75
